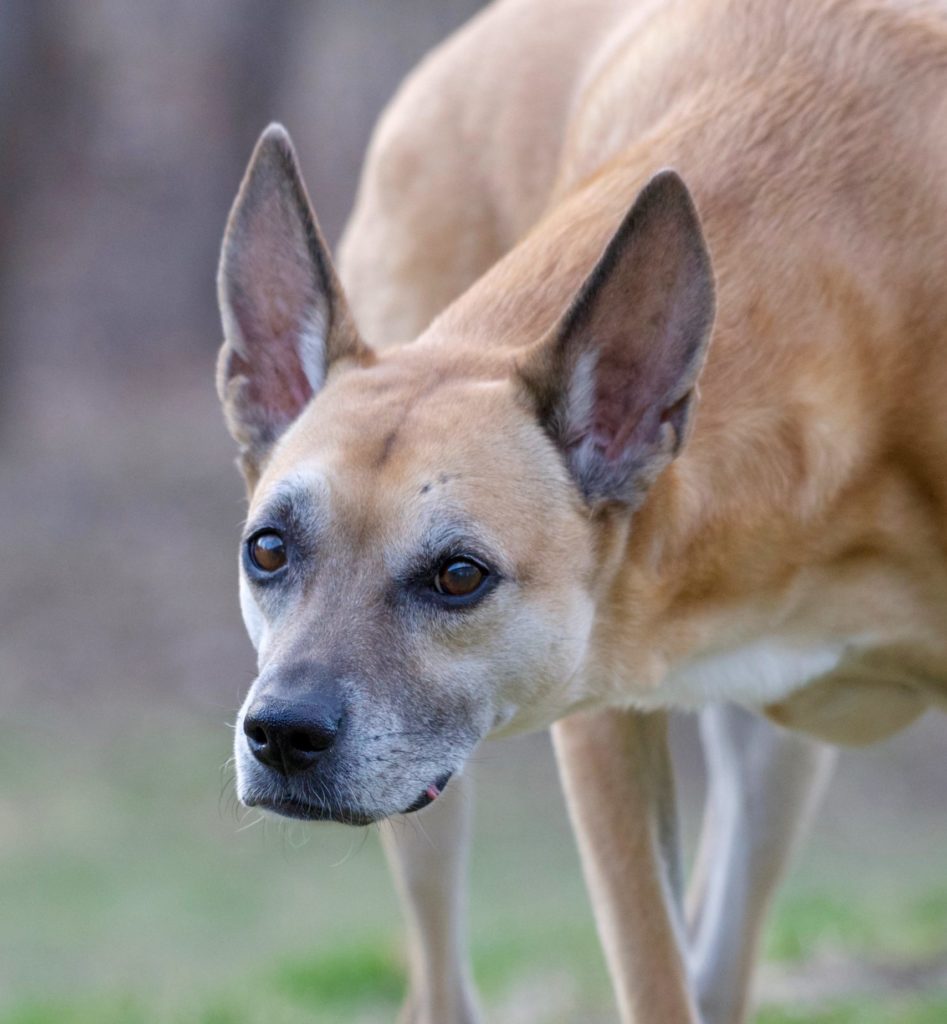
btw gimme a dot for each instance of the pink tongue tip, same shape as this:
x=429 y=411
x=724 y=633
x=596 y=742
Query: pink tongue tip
x=433 y=792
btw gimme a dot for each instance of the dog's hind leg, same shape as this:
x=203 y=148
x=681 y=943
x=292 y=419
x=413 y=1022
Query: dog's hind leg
x=764 y=785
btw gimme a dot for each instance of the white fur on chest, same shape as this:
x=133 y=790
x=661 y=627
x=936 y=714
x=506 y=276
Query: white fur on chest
x=756 y=673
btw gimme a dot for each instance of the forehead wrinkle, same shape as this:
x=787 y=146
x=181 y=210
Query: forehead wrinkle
x=398 y=391
x=403 y=410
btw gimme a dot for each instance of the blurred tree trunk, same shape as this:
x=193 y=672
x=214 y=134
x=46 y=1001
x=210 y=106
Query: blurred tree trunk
x=24 y=94
x=125 y=130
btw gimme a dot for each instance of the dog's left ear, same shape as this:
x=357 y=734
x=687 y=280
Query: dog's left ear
x=285 y=317
x=613 y=384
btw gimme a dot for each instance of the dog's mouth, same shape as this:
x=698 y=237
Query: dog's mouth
x=430 y=794
x=304 y=810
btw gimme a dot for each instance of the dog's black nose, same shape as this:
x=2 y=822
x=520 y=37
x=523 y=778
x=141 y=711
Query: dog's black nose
x=289 y=737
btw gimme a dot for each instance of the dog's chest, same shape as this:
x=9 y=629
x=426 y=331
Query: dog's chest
x=851 y=691
x=753 y=673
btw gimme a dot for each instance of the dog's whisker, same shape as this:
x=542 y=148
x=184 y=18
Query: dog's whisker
x=362 y=838
x=250 y=824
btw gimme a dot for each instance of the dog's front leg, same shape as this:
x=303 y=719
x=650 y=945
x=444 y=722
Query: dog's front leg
x=618 y=784
x=428 y=858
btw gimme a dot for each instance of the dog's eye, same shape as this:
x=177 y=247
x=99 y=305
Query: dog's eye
x=267 y=551
x=459 y=578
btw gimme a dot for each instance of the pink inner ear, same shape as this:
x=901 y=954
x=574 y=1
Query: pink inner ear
x=273 y=295
x=636 y=376
x=629 y=399
x=276 y=386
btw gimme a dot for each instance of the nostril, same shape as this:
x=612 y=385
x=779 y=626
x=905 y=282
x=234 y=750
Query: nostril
x=312 y=740
x=256 y=734
x=303 y=742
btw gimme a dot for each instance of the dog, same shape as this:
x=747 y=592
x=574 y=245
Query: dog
x=643 y=410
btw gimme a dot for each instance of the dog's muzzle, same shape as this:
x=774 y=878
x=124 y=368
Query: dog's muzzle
x=298 y=765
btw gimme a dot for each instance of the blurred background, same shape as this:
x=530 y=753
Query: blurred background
x=132 y=889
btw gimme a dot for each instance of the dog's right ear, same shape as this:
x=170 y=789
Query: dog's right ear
x=285 y=317
x=614 y=383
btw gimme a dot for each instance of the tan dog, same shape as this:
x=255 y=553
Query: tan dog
x=523 y=515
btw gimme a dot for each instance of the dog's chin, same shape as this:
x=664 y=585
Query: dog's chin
x=304 y=810
x=301 y=810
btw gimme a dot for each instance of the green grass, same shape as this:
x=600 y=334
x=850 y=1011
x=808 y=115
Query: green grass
x=364 y=983
x=911 y=1011
x=342 y=977
x=871 y=924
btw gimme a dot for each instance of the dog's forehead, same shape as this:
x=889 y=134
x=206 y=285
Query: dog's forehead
x=398 y=446
x=404 y=419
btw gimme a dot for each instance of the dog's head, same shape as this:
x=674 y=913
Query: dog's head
x=421 y=560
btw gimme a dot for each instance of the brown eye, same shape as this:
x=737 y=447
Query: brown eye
x=459 y=578
x=267 y=551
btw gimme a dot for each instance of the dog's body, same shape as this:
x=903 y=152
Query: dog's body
x=784 y=547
